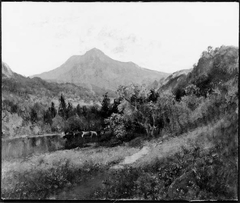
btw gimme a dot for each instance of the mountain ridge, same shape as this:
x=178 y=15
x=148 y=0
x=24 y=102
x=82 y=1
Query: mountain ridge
x=96 y=68
x=20 y=88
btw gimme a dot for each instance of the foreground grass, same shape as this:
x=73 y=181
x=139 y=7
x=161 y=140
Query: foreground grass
x=162 y=149
x=188 y=175
x=40 y=176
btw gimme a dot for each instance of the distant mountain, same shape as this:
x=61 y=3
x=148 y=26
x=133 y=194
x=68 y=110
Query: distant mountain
x=95 y=69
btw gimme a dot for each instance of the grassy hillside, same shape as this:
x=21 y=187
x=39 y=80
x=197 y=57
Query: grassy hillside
x=214 y=68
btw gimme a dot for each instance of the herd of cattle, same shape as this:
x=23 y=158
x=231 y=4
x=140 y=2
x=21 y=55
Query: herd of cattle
x=74 y=139
x=82 y=134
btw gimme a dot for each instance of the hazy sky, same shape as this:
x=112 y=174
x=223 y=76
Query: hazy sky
x=37 y=37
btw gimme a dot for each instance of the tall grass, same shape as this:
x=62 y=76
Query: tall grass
x=42 y=176
x=37 y=183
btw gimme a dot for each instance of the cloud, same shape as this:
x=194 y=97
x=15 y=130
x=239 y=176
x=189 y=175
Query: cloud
x=119 y=49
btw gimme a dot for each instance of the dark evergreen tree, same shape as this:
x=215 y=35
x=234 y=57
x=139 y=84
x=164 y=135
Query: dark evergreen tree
x=84 y=111
x=78 y=110
x=105 y=110
x=69 y=110
x=62 y=109
x=47 y=117
x=53 y=110
x=33 y=116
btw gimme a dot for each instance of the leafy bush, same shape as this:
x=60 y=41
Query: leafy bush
x=120 y=184
x=75 y=123
x=116 y=123
x=58 y=124
x=137 y=142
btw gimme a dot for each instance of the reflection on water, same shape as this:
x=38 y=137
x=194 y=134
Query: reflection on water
x=20 y=147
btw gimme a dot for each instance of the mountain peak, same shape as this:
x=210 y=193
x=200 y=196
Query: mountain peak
x=95 y=52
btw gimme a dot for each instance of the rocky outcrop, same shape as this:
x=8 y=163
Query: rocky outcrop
x=213 y=68
x=173 y=80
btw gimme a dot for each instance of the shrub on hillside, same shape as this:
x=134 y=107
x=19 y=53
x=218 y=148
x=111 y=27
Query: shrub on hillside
x=75 y=123
x=58 y=124
x=136 y=142
x=116 y=123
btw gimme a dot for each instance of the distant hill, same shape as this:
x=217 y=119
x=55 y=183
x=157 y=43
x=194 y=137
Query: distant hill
x=6 y=71
x=213 y=68
x=173 y=80
x=20 y=95
x=94 y=70
x=22 y=89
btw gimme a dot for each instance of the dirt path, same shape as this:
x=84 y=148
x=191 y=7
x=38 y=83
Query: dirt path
x=131 y=159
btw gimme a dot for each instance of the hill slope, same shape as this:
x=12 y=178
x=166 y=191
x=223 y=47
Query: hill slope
x=25 y=89
x=6 y=71
x=95 y=69
x=172 y=80
x=214 y=68
x=22 y=94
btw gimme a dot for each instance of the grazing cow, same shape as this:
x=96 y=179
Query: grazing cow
x=86 y=134
x=93 y=133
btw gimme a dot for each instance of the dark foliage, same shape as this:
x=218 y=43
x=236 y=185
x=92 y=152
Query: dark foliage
x=62 y=109
x=179 y=93
x=153 y=96
x=105 y=110
x=33 y=116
